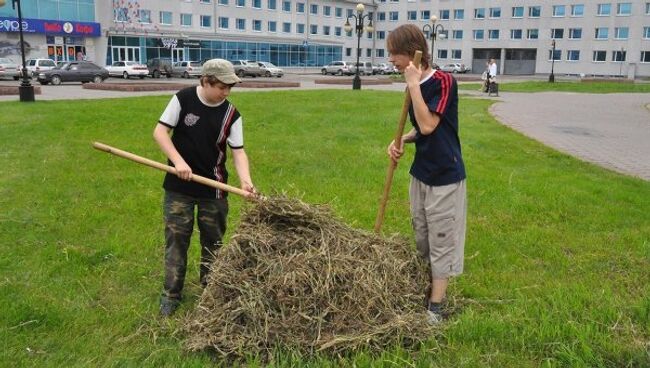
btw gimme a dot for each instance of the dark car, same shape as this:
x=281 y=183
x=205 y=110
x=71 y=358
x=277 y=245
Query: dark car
x=160 y=66
x=74 y=71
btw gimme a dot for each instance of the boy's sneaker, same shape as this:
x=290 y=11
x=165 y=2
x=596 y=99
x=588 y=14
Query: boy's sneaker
x=434 y=312
x=168 y=306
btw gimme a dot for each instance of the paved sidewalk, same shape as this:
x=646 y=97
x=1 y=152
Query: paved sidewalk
x=610 y=130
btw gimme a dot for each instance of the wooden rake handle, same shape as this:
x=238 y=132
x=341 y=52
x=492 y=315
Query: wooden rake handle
x=169 y=169
x=398 y=142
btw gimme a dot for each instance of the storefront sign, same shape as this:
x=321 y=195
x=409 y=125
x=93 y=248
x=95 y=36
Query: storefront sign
x=56 y=27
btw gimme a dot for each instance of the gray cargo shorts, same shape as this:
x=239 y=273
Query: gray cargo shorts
x=439 y=215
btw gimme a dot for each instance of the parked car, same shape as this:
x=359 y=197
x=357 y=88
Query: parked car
x=186 y=69
x=127 y=69
x=74 y=71
x=270 y=70
x=9 y=69
x=365 y=68
x=386 y=68
x=455 y=68
x=247 y=68
x=160 y=66
x=35 y=66
x=338 y=68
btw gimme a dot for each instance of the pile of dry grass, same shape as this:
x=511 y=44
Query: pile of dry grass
x=293 y=276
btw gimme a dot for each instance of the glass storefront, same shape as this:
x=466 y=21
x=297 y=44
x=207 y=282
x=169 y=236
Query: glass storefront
x=60 y=48
x=198 y=50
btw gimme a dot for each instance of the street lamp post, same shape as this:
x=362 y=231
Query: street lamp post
x=433 y=30
x=25 y=90
x=551 y=78
x=359 y=27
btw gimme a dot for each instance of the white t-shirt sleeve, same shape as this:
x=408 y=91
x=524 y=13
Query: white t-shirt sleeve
x=170 y=116
x=236 y=137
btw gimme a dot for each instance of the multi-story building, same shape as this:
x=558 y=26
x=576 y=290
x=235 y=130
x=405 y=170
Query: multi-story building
x=526 y=37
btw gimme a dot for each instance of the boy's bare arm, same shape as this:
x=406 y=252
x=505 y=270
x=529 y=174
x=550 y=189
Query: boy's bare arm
x=161 y=136
x=240 y=161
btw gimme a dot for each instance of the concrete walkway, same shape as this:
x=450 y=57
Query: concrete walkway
x=611 y=130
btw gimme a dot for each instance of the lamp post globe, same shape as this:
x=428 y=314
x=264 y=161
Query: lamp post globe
x=433 y=30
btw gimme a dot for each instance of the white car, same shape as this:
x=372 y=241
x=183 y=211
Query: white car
x=9 y=69
x=270 y=70
x=455 y=68
x=127 y=69
x=36 y=66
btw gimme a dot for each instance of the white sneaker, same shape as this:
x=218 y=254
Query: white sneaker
x=434 y=318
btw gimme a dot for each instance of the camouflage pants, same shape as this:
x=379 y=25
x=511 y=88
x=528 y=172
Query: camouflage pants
x=178 y=210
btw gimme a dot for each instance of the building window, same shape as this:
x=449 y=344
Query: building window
x=257 y=25
x=223 y=2
x=645 y=56
x=381 y=16
x=575 y=33
x=573 y=55
x=425 y=15
x=286 y=6
x=338 y=31
x=479 y=34
x=555 y=55
x=205 y=1
x=206 y=21
x=444 y=14
x=493 y=34
x=647 y=8
x=558 y=11
x=517 y=11
x=604 y=10
x=186 y=20
x=393 y=16
x=286 y=27
x=165 y=17
x=516 y=34
x=459 y=14
x=381 y=35
x=300 y=28
x=313 y=29
x=223 y=23
x=380 y=53
x=602 y=33
x=257 y=4
x=327 y=10
x=495 y=12
x=368 y=52
x=313 y=9
x=412 y=15
x=600 y=56
x=240 y=24
x=456 y=54
x=327 y=30
x=348 y=51
x=457 y=34
x=121 y=14
x=479 y=13
x=349 y=12
x=621 y=33
x=532 y=34
x=300 y=8
x=272 y=4
x=442 y=54
x=145 y=16
x=557 y=33
x=646 y=32
x=624 y=9
x=338 y=12
x=272 y=26
x=577 y=10
x=240 y=3
x=534 y=11
x=619 y=55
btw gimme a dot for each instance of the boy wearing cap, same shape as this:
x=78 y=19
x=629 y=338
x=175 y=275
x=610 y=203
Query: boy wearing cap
x=203 y=123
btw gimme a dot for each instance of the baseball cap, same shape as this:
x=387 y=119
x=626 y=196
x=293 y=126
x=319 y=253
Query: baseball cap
x=222 y=70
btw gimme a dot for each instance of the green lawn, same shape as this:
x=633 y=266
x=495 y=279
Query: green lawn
x=557 y=253
x=566 y=86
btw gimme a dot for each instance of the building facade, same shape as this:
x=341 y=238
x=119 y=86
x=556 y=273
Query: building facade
x=526 y=37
